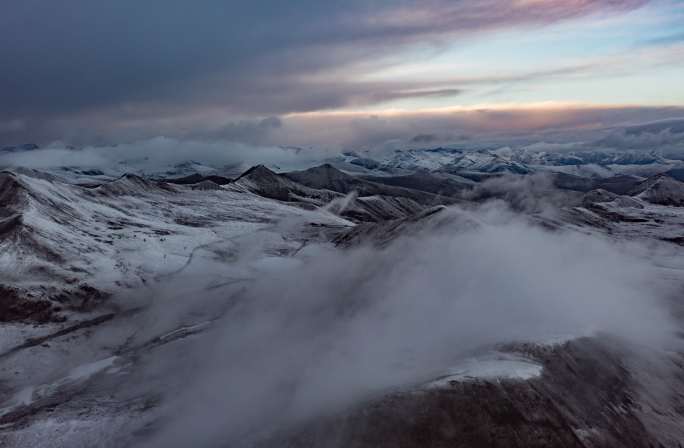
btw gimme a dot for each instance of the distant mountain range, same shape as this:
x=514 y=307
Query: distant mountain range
x=459 y=164
x=479 y=164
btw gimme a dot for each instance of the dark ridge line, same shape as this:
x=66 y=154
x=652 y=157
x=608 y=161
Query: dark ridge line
x=33 y=342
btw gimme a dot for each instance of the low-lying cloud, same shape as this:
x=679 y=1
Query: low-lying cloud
x=159 y=153
x=329 y=328
x=300 y=141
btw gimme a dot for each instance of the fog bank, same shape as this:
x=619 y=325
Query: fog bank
x=329 y=328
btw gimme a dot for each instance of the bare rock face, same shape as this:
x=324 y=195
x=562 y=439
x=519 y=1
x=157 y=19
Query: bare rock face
x=81 y=298
x=10 y=224
x=13 y=198
x=18 y=305
x=15 y=306
x=586 y=397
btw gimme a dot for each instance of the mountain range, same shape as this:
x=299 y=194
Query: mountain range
x=99 y=269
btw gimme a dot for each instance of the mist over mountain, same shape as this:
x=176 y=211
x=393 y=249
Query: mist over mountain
x=187 y=302
x=342 y=224
x=646 y=149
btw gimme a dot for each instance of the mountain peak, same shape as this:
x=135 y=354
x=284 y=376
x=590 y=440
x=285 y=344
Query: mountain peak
x=326 y=170
x=257 y=171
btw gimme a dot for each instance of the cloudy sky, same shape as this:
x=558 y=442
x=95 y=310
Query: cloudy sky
x=352 y=72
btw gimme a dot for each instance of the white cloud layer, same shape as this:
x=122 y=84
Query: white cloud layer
x=330 y=328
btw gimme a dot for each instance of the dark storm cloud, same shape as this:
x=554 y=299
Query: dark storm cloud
x=69 y=59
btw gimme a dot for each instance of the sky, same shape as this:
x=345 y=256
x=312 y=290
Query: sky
x=329 y=73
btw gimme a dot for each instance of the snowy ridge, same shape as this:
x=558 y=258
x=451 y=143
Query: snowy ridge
x=61 y=241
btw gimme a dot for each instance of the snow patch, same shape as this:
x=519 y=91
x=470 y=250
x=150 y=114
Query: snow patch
x=490 y=367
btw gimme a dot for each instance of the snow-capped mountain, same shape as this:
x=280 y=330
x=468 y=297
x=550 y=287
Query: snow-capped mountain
x=124 y=280
x=58 y=239
x=485 y=162
x=453 y=160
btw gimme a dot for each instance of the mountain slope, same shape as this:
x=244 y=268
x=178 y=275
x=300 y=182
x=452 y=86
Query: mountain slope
x=266 y=183
x=330 y=178
x=61 y=242
x=661 y=190
x=435 y=183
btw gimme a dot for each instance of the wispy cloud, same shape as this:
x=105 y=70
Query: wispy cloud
x=311 y=137
x=668 y=39
x=328 y=329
